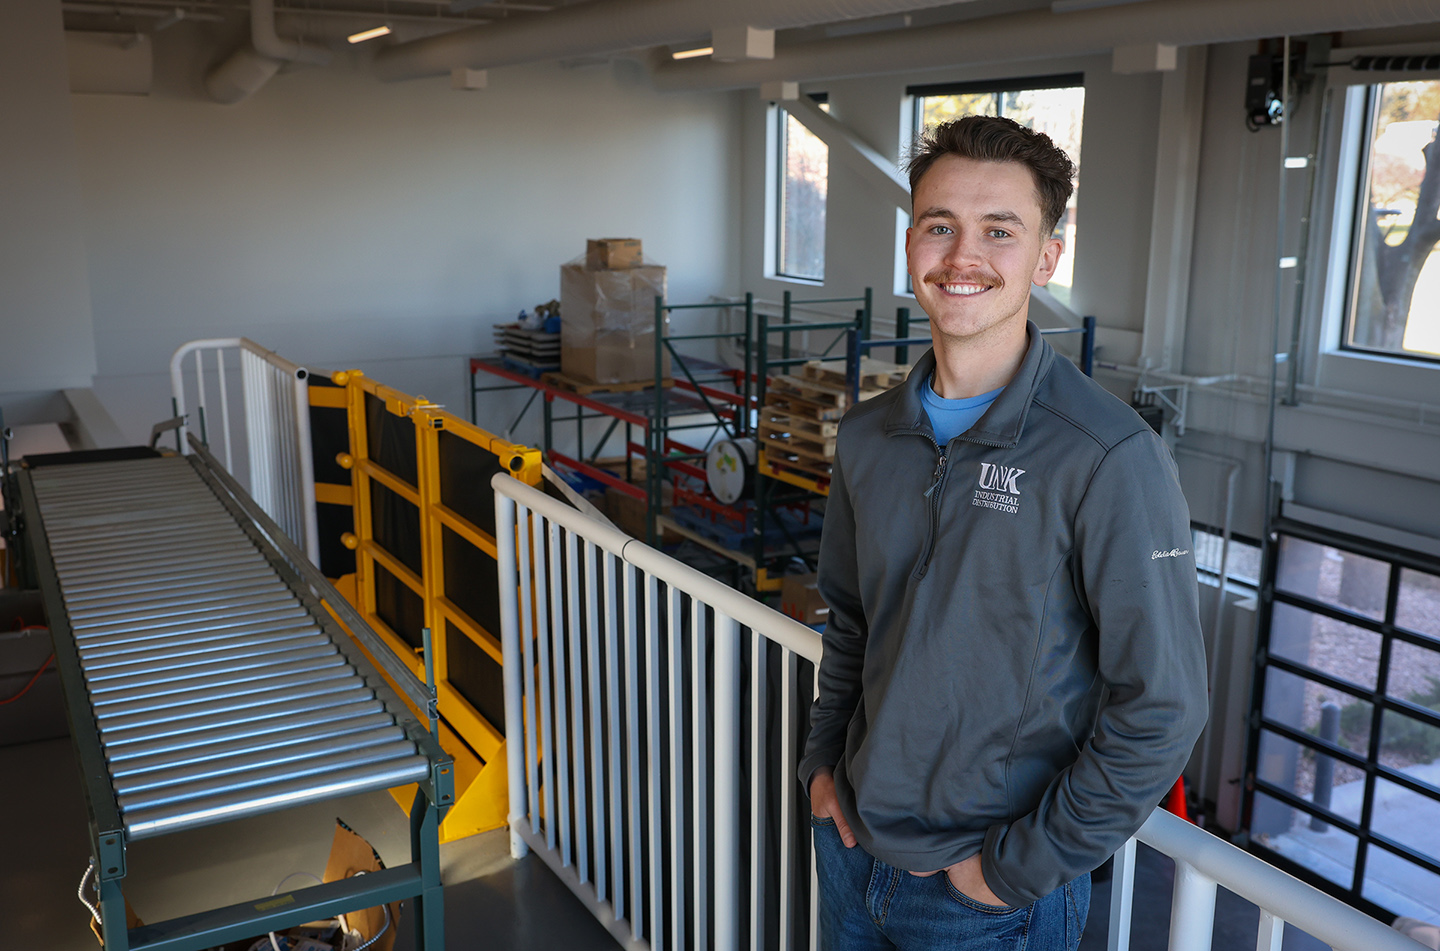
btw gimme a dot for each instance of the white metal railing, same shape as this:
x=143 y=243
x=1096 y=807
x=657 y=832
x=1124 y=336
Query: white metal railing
x=638 y=693
x=274 y=402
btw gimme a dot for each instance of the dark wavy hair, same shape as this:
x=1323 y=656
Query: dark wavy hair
x=997 y=139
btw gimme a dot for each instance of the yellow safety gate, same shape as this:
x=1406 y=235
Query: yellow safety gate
x=425 y=558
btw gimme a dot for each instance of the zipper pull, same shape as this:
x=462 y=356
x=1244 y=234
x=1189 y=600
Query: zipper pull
x=939 y=471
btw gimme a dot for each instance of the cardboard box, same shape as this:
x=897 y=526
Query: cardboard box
x=603 y=253
x=800 y=599
x=628 y=512
x=607 y=325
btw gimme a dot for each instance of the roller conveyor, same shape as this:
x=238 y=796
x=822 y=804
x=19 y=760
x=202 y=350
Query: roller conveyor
x=206 y=681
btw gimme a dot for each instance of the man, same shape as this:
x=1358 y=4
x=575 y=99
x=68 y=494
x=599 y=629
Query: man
x=1013 y=672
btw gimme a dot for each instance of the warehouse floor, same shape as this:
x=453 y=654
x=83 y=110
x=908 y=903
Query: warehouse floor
x=491 y=901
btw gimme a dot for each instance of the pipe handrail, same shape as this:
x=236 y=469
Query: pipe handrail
x=1304 y=906
x=745 y=610
x=1203 y=861
x=292 y=436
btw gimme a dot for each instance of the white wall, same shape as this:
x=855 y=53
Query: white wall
x=349 y=223
x=45 y=333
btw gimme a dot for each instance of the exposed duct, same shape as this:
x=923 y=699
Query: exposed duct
x=251 y=67
x=1045 y=35
x=604 y=27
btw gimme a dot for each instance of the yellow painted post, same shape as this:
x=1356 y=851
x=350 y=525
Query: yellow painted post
x=428 y=425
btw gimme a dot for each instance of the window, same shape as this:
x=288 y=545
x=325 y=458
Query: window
x=1395 y=286
x=1345 y=729
x=1054 y=105
x=1242 y=560
x=804 y=178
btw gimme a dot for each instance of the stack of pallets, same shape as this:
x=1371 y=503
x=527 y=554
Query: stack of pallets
x=531 y=352
x=801 y=416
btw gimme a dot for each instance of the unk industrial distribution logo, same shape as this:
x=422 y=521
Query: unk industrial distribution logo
x=998 y=489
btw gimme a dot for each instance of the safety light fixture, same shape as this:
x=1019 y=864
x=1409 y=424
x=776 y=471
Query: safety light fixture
x=364 y=35
x=691 y=54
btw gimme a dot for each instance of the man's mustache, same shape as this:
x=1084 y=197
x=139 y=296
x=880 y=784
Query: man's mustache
x=948 y=276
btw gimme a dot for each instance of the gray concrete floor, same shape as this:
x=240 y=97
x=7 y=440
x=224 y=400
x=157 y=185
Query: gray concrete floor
x=491 y=901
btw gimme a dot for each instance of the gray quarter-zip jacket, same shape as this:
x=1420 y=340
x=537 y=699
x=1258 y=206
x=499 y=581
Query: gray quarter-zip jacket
x=983 y=596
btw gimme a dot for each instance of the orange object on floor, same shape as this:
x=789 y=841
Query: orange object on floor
x=1175 y=800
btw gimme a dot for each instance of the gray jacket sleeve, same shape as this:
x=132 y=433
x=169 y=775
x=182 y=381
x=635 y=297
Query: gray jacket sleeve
x=1134 y=571
x=845 y=633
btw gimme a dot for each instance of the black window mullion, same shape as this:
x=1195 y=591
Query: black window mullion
x=1308 y=807
x=1315 y=606
x=1373 y=697
x=1359 y=546
x=1332 y=750
x=1405 y=852
x=1418 y=786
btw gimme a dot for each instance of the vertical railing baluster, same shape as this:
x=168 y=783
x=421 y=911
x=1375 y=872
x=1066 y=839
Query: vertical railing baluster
x=654 y=680
x=726 y=776
x=1122 y=897
x=546 y=723
x=615 y=707
x=224 y=410
x=527 y=642
x=700 y=757
x=1192 y=909
x=575 y=590
x=1271 y=936
x=562 y=709
x=511 y=668
x=632 y=750
x=676 y=626
x=814 y=874
x=593 y=660
x=788 y=766
x=758 y=779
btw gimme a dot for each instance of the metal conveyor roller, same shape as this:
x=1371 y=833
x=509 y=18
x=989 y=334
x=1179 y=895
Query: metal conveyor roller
x=204 y=676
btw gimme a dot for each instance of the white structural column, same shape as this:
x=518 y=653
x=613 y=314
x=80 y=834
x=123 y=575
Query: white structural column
x=847 y=147
x=1172 y=219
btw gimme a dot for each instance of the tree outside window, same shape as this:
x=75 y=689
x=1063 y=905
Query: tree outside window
x=1054 y=105
x=1396 y=303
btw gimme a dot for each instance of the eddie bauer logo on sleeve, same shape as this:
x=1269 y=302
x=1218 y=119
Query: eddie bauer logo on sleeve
x=997 y=489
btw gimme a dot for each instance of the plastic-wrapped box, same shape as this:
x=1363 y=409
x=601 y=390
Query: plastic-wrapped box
x=607 y=323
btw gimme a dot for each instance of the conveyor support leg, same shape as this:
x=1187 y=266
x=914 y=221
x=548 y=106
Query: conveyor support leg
x=425 y=850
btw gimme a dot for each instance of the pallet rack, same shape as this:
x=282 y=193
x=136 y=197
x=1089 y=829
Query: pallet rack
x=734 y=406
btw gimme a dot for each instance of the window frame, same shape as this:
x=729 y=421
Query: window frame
x=918 y=93
x=1361 y=129
x=1325 y=363
x=775 y=187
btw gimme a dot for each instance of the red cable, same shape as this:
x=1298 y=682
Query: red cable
x=26 y=689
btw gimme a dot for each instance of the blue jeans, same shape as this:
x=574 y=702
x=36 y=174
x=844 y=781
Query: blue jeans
x=867 y=905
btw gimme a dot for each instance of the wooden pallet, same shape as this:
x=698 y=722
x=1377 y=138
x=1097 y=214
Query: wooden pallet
x=585 y=387
x=874 y=374
x=801 y=423
x=780 y=401
x=834 y=396
x=795 y=444
x=534 y=345
x=780 y=459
